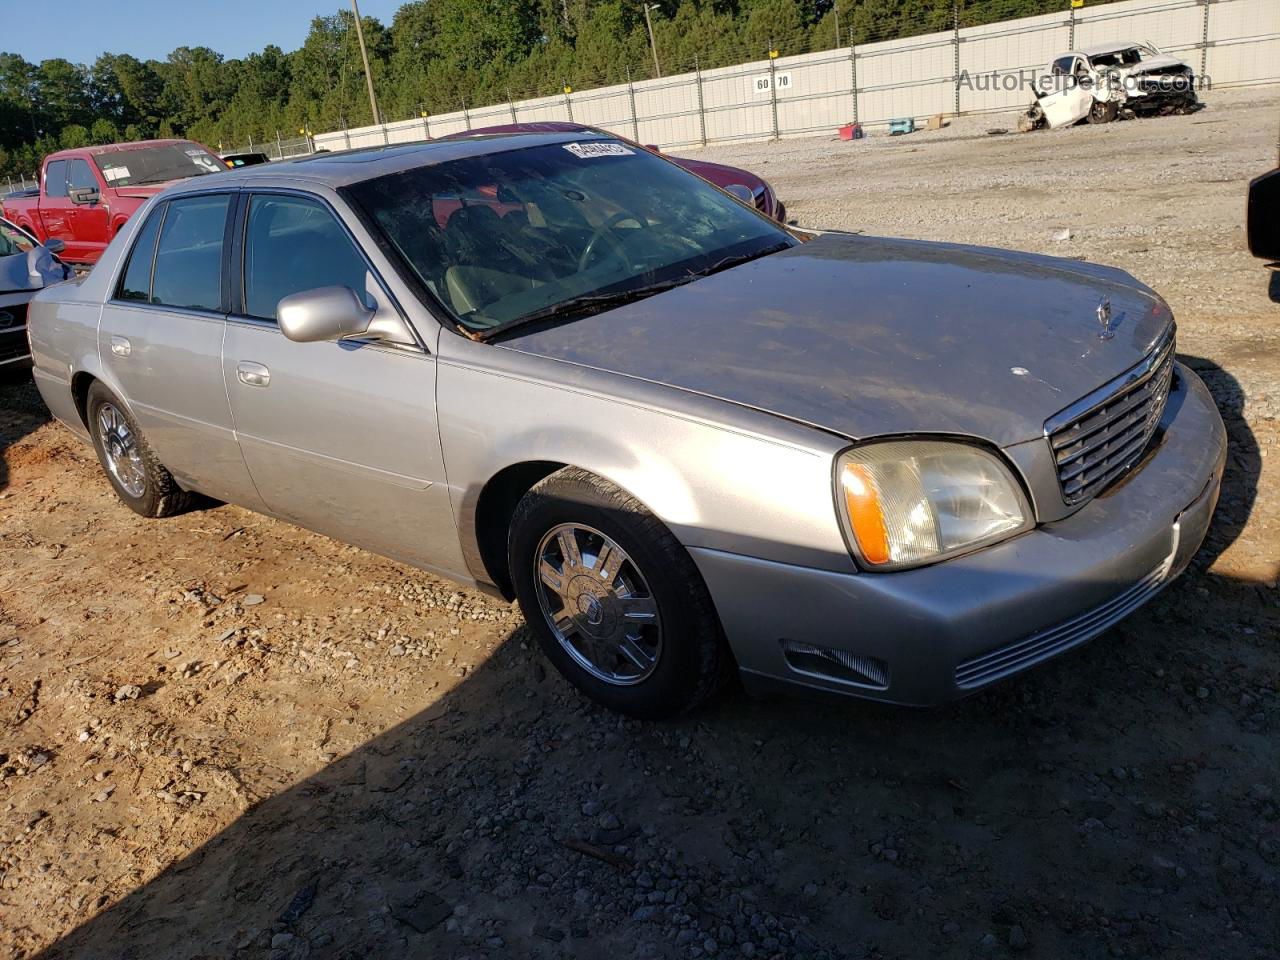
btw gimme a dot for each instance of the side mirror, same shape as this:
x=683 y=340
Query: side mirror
x=1264 y=216
x=742 y=192
x=325 y=313
x=83 y=194
x=336 y=313
x=54 y=245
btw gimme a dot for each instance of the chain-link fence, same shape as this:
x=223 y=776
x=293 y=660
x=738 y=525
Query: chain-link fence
x=278 y=148
x=20 y=183
x=946 y=62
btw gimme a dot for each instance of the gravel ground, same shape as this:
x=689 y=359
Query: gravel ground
x=221 y=736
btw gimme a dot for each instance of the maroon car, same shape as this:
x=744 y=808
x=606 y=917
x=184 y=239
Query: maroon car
x=735 y=181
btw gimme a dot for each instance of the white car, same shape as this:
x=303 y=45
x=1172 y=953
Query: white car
x=1103 y=82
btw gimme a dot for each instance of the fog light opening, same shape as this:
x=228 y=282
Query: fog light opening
x=840 y=666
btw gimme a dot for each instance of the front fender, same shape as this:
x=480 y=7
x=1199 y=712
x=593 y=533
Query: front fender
x=719 y=476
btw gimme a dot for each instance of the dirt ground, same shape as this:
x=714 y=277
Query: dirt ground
x=221 y=736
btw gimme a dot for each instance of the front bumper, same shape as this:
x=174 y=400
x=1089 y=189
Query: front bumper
x=937 y=633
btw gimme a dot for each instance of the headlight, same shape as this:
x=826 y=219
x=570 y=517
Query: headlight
x=910 y=502
x=763 y=195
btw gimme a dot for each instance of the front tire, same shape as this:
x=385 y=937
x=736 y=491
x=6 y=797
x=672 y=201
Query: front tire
x=614 y=600
x=138 y=477
x=1103 y=111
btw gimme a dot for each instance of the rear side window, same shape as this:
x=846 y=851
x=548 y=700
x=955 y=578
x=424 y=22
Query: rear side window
x=294 y=244
x=188 y=270
x=136 y=283
x=79 y=174
x=55 y=179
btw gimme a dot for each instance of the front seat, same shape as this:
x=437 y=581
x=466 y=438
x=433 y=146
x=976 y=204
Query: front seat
x=485 y=269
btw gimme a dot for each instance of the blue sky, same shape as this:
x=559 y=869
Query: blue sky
x=82 y=29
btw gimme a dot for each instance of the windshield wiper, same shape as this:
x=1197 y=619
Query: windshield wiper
x=742 y=258
x=178 y=175
x=595 y=302
x=589 y=303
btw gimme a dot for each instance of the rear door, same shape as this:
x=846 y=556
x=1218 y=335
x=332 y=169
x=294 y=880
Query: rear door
x=161 y=342
x=55 y=208
x=90 y=222
x=340 y=437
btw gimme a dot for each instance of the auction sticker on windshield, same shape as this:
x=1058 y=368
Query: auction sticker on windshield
x=588 y=151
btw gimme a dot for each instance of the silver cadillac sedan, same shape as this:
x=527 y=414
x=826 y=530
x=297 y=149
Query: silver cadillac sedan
x=688 y=440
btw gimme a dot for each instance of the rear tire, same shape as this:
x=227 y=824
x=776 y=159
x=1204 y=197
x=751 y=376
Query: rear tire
x=629 y=621
x=138 y=477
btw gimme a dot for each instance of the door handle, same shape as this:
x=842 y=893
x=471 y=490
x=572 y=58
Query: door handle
x=120 y=346
x=252 y=374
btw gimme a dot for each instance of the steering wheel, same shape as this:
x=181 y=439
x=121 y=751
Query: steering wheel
x=606 y=230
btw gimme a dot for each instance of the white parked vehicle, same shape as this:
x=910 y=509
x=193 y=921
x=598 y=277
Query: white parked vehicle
x=1111 y=80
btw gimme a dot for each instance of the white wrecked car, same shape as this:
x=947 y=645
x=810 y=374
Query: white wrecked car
x=1110 y=80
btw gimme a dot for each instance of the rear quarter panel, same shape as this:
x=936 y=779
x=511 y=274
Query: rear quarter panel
x=64 y=341
x=63 y=324
x=25 y=212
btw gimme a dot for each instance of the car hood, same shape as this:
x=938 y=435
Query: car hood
x=1157 y=64
x=146 y=191
x=868 y=336
x=718 y=173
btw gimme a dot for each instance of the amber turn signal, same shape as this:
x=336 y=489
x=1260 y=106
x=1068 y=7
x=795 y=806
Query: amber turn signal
x=865 y=516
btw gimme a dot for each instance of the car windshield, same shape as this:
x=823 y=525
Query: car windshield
x=143 y=165
x=558 y=229
x=1118 y=58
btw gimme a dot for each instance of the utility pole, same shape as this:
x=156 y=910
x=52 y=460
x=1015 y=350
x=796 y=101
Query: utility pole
x=364 y=55
x=653 y=44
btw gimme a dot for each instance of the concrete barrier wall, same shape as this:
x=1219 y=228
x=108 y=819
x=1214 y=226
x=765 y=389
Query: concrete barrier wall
x=1232 y=42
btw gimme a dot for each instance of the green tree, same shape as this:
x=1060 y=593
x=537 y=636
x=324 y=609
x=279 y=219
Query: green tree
x=104 y=131
x=63 y=93
x=74 y=135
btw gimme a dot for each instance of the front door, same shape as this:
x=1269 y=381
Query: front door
x=90 y=222
x=161 y=341
x=340 y=437
x=55 y=209
x=1067 y=100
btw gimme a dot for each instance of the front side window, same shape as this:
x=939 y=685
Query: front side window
x=55 y=179
x=79 y=175
x=172 y=161
x=509 y=237
x=294 y=244
x=13 y=240
x=136 y=283
x=188 y=271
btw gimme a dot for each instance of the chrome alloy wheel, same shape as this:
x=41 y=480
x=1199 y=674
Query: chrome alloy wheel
x=598 y=604
x=124 y=459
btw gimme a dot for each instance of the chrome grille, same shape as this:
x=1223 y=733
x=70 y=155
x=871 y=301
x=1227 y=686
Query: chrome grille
x=1096 y=440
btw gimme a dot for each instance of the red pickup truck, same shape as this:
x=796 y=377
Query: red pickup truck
x=86 y=194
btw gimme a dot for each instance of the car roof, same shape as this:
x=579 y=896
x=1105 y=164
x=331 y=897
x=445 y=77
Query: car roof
x=532 y=126
x=1099 y=49
x=346 y=167
x=118 y=147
